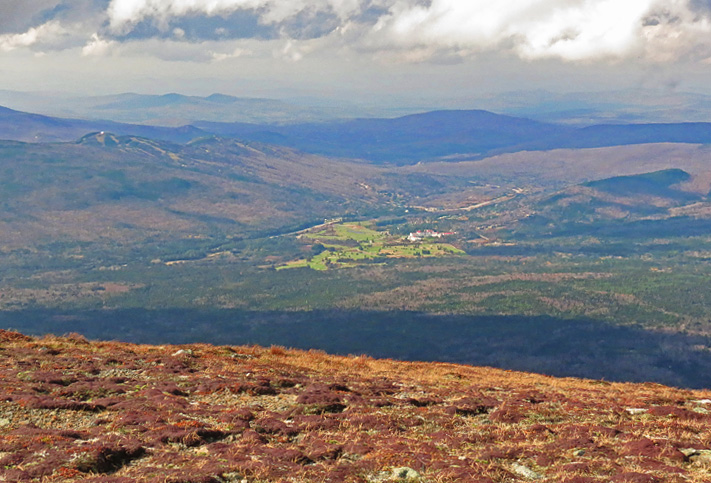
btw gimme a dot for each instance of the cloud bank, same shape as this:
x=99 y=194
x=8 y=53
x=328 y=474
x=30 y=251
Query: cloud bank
x=404 y=30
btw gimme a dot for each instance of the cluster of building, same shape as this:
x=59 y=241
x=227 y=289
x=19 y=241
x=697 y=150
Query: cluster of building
x=420 y=235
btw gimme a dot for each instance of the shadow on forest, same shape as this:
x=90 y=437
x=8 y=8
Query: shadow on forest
x=581 y=348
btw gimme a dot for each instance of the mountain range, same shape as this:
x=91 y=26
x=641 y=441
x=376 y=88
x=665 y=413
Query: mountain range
x=251 y=178
x=437 y=135
x=637 y=105
x=128 y=187
x=175 y=109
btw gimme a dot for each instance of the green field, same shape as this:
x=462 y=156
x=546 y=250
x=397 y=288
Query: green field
x=352 y=244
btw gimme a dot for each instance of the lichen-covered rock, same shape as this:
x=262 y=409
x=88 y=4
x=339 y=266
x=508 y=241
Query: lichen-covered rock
x=405 y=474
x=525 y=472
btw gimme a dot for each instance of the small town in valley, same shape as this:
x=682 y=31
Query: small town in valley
x=420 y=235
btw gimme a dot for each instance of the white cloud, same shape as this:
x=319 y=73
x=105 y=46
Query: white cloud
x=290 y=52
x=571 y=30
x=125 y=13
x=607 y=28
x=673 y=34
x=536 y=29
x=237 y=52
x=97 y=46
x=174 y=50
x=410 y=31
x=45 y=33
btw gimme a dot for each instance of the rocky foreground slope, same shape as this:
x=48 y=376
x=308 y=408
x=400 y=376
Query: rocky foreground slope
x=74 y=410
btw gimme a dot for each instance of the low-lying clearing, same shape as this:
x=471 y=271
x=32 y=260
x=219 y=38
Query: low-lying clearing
x=352 y=244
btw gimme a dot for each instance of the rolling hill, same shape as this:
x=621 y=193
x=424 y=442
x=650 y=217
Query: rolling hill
x=645 y=205
x=660 y=184
x=403 y=140
x=561 y=168
x=35 y=128
x=604 y=135
x=126 y=188
x=133 y=188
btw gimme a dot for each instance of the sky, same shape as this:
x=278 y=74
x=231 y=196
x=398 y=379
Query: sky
x=354 y=49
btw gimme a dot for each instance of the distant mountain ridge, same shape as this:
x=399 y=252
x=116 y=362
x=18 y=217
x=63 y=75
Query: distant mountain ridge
x=453 y=135
x=402 y=140
x=140 y=101
x=604 y=135
x=34 y=128
x=174 y=109
x=437 y=135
